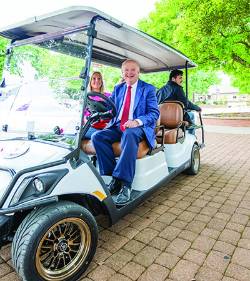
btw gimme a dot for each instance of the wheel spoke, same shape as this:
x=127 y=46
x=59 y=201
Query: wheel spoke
x=50 y=261
x=69 y=257
x=60 y=230
x=53 y=233
x=46 y=247
x=45 y=256
x=72 y=243
x=67 y=228
x=58 y=262
x=75 y=251
x=73 y=234
x=64 y=261
x=49 y=240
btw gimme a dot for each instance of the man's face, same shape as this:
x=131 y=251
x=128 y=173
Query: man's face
x=178 y=80
x=130 y=72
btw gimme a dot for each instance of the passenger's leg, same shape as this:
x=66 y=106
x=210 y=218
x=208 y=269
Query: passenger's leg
x=89 y=133
x=125 y=167
x=192 y=118
x=102 y=141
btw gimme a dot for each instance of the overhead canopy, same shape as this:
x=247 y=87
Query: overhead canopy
x=114 y=43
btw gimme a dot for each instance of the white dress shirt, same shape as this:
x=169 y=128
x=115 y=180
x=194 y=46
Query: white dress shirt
x=132 y=102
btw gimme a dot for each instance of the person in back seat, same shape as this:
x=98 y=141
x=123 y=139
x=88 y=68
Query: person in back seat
x=137 y=113
x=173 y=91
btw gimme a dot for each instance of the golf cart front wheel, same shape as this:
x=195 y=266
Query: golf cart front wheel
x=56 y=242
x=195 y=161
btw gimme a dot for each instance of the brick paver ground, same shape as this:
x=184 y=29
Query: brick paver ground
x=195 y=228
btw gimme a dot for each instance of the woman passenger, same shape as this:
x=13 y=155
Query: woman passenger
x=96 y=85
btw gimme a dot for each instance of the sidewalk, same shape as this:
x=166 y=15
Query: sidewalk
x=227 y=129
x=228 y=126
x=194 y=228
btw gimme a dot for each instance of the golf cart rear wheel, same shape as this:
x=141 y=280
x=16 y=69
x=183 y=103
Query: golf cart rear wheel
x=56 y=242
x=195 y=161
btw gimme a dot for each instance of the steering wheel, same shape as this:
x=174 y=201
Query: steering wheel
x=102 y=105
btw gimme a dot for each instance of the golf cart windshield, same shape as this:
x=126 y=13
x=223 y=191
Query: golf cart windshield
x=41 y=88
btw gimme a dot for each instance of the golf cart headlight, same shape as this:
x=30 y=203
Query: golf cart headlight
x=39 y=185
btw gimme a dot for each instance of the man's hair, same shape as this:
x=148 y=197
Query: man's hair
x=131 y=60
x=174 y=73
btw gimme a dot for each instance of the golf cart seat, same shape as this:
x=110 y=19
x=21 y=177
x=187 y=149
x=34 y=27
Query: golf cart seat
x=89 y=149
x=171 y=117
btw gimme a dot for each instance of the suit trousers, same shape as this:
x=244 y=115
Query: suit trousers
x=192 y=118
x=124 y=168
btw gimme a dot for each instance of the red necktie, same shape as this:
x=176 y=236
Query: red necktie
x=125 y=112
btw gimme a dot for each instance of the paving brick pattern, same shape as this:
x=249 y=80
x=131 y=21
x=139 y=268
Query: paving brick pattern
x=195 y=228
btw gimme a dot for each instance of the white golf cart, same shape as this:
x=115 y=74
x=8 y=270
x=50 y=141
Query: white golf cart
x=50 y=186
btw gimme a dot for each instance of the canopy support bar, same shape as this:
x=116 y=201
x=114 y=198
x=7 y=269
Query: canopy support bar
x=85 y=76
x=186 y=68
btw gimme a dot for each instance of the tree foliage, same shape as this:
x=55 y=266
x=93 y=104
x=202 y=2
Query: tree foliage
x=214 y=33
x=60 y=70
x=3 y=44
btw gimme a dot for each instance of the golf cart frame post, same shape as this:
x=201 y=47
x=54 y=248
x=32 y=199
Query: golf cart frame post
x=202 y=144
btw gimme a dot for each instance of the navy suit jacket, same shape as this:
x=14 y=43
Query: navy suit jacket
x=145 y=107
x=172 y=91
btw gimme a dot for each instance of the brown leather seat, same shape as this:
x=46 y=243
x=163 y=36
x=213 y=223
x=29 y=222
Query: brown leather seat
x=171 y=117
x=88 y=148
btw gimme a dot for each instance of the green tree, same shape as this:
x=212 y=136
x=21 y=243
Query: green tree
x=62 y=71
x=3 y=44
x=214 y=33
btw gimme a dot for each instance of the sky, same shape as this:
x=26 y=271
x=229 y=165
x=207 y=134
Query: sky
x=127 y=11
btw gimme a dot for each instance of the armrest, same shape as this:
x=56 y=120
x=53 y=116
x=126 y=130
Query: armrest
x=162 y=129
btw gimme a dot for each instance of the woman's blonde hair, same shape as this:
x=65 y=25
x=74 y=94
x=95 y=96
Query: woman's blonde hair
x=102 y=86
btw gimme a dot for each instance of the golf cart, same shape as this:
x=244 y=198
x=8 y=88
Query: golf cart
x=50 y=186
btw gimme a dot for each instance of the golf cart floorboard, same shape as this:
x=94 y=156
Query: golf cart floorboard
x=135 y=194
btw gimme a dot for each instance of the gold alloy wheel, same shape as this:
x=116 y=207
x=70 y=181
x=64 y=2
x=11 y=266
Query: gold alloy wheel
x=63 y=249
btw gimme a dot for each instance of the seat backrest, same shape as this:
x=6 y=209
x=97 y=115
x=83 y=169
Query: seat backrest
x=171 y=114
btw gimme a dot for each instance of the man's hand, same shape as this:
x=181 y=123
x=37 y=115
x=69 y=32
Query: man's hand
x=131 y=124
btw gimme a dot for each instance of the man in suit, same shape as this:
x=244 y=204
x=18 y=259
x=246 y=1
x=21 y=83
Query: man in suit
x=137 y=113
x=173 y=91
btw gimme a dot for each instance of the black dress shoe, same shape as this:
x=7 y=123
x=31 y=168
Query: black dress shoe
x=124 y=196
x=114 y=186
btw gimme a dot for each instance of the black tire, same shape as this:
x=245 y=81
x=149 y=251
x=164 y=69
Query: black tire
x=53 y=238
x=195 y=161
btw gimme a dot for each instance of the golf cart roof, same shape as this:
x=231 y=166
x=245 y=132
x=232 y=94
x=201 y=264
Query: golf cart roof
x=114 y=43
